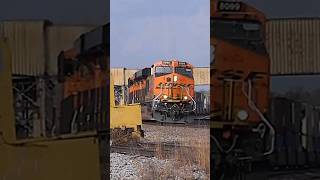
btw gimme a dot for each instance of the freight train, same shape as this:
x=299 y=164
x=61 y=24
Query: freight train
x=66 y=115
x=76 y=120
x=85 y=94
x=166 y=90
x=252 y=131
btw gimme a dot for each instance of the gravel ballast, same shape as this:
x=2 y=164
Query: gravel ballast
x=176 y=134
x=132 y=167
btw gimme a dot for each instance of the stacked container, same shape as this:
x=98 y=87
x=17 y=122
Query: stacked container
x=297 y=128
x=202 y=103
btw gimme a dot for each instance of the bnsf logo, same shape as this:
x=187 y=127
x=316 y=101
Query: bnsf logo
x=229 y=6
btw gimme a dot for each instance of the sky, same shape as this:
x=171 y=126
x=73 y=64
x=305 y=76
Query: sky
x=86 y=12
x=287 y=8
x=95 y=11
x=282 y=84
x=145 y=31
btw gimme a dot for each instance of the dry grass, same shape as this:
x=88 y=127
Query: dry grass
x=151 y=171
x=198 y=155
x=182 y=163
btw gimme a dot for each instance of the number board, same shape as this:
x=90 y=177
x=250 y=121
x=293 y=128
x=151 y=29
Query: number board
x=182 y=63
x=229 y=6
x=167 y=62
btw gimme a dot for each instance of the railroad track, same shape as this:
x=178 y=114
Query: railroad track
x=294 y=174
x=193 y=124
x=283 y=174
x=164 y=150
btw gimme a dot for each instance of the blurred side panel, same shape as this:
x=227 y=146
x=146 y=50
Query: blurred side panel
x=61 y=37
x=118 y=75
x=201 y=75
x=26 y=40
x=293 y=45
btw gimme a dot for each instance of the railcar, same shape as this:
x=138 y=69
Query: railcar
x=166 y=90
x=70 y=118
x=85 y=95
x=251 y=131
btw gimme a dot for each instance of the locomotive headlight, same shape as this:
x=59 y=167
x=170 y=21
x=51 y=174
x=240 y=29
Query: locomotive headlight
x=175 y=78
x=165 y=96
x=242 y=115
x=185 y=98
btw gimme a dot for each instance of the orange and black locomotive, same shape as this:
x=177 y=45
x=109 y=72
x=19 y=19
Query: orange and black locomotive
x=166 y=90
x=239 y=86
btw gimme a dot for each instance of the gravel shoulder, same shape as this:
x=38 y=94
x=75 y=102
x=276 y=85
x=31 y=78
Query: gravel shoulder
x=137 y=167
x=186 y=135
x=186 y=165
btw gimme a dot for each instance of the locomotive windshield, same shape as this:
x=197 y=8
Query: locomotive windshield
x=162 y=70
x=184 y=71
x=236 y=29
x=247 y=34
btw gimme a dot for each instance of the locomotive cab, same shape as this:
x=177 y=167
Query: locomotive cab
x=174 y=80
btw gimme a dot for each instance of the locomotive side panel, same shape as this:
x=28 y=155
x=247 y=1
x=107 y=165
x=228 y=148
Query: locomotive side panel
x=239 y=71
x=84 y=87
x=269 y=132
x=240 y=65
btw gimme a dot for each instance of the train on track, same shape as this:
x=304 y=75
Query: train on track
x=248 y=127
x=85 y=95
x=165 y=91
x=44 y=119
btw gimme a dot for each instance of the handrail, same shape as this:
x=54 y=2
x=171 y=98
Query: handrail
x=155 y=99
x=255 y=108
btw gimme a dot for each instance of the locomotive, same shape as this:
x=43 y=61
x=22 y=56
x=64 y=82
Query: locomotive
x=165 y=91
x=84 y=82
x=239 y=70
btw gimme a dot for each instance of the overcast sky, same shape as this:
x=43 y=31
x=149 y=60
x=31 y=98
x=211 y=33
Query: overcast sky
x=288 y=8
x=144 y=31
x=58 y=11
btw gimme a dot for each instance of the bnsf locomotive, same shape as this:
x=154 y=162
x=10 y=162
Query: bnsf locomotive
x=165 y=91
x=239 y=86
x=252 y=132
